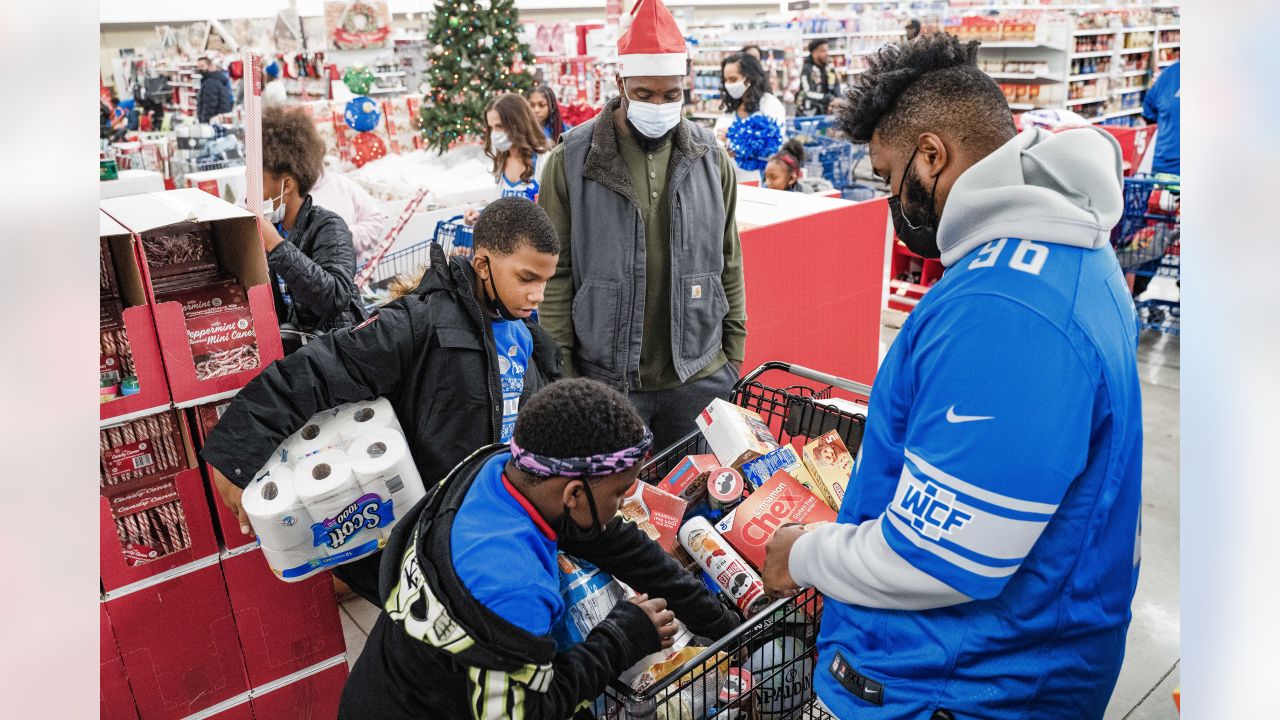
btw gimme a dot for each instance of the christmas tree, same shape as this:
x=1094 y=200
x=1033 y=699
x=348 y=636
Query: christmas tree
x=475 y=56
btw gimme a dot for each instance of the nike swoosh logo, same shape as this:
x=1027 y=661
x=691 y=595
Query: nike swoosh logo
x=952 y=417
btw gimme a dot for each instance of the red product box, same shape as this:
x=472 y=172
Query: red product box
x=313 y=694
x=656 y=512
x=252 y=333
x=205 y=417
x=139 y=333
x=688 y=480
x=148 y=445
x=152 y=525
x=780 y=501
x=284 y=627
x=239 y=707
x=113 y=685
x=207 y=299
x=177 y=637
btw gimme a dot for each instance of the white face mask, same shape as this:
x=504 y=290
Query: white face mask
x=274 y=213
x=736 y=90
x=499 y=140
x=654 y=119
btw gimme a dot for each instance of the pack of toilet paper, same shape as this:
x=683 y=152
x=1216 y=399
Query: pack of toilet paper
x=333 y=490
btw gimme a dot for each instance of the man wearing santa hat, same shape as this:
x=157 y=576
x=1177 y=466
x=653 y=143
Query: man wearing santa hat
x=648 y=295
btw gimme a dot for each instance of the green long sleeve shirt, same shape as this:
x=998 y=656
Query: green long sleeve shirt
x=649 y=177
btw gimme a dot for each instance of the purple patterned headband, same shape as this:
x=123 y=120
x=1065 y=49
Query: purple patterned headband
x=582 y=467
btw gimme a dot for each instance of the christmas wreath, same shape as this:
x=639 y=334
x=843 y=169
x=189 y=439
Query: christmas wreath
x=754 y=139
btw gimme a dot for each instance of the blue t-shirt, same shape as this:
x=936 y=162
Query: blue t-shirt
x=505 y=554
x=513 y=344
x=1164 y=105
x=1004 y=458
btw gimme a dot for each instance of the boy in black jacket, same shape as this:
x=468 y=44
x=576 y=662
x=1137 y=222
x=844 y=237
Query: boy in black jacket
x=471 y=582
x=455 y=358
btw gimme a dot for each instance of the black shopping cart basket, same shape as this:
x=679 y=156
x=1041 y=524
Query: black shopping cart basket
x=777 y=647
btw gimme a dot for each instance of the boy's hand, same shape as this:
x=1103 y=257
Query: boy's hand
x=777 y=561
x=231 y=495
x=664 y=621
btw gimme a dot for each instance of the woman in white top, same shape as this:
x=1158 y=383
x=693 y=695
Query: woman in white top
x=745 y=92
x=516 y=144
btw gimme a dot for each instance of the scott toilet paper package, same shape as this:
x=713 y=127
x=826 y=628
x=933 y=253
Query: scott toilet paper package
x=330 y=494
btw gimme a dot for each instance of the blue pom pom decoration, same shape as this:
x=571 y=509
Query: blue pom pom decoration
x=754 y=139
x=362 y=114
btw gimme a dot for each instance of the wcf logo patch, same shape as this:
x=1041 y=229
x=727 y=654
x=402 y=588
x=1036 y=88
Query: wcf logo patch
x=932 y=509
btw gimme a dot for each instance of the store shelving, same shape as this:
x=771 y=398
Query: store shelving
x=1132 y=51
x=1023 y=77
x=1093 y=54
x=1086 y=76
x=1085 y=101
x=1127 y=90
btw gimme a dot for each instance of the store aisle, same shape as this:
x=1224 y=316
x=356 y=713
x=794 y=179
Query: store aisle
x=1150 y=671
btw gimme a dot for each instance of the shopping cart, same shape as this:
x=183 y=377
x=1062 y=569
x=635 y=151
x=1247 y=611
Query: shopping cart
x=1147 y=241
x=809 y=124
x=454 y=237
x=778 y=646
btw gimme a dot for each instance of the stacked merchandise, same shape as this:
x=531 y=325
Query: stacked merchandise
x=116 y=370
x=715 y=513
x=206 y=147
x=190 y=629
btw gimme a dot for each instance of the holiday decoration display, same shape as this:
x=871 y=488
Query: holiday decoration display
x=358 y=79
x=358 y=23
x=475 y=55
x=754 y=139
x=362 y=114
x=365 y=147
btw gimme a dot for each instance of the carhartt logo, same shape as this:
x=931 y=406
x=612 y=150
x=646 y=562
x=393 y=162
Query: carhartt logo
x=952 y=417
x=696 y=292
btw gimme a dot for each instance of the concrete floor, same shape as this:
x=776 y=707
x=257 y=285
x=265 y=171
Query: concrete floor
x=1150 y=672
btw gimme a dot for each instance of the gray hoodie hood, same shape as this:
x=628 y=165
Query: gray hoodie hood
x=1062 y=188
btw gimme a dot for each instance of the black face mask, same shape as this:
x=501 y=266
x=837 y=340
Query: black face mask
x=922 y=238
x=569 y=529
x=495 y=302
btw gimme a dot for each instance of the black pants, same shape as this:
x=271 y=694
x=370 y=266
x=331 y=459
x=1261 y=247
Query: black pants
x=362 y=577
x=671 y=414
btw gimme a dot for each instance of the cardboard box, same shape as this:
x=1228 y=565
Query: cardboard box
x=688 y=480
x=139 y=324
x=181 y=493
x=656 y=512
x=735 y=434
x=178 y=640
x=237 y=249
x=780 y=501
x=237 y=708
x=153 y=444
x=203 y=419
x=113 y=684
x=313 y=694
x=758 y=471
x=831 y=465
x=284 y=627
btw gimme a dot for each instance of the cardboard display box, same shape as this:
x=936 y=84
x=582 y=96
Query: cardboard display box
x=178 y=640
x=237 y=708
x=127 y=281
x=312 y=694
x=182 y=494
x=237 y=249
x=204 y=418
x=113 y=685
x=284 y=627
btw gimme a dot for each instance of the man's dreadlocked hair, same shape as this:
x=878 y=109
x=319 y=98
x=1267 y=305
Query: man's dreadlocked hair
x=576 y=418
x=929 y=84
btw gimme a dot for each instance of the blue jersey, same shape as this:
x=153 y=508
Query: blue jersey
x=513 y=344
x=1164 y=105
x=1003 y=459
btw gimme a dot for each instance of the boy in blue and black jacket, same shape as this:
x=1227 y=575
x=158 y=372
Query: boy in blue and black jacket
x=470 y=580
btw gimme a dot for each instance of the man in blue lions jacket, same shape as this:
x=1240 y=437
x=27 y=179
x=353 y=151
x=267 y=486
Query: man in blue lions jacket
x=985 y=557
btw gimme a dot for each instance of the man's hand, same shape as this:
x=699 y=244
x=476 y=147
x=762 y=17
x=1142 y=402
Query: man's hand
x=777 y=561
x=270 y=236
x=231 y=494
x=664 y=621
x=470 y=216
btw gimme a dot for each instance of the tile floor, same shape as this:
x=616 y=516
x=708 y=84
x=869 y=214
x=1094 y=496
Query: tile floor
x=1150 y=672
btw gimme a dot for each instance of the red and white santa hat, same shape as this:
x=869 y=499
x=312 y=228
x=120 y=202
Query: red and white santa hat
x=652 y=43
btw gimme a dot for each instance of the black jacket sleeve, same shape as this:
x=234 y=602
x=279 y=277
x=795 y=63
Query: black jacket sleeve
x=579 y=674
x=349 y=365
x=322 y=282
x=627 y=553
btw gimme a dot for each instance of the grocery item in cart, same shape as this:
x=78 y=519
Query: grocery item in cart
x=723 y=565
x=688 y=480
x=699 y=691
x=724 y=488
x=831 y=464
x=781 y=501
x=655 y=512
x=735 y=434
x=589 y=594
x=758 y=471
